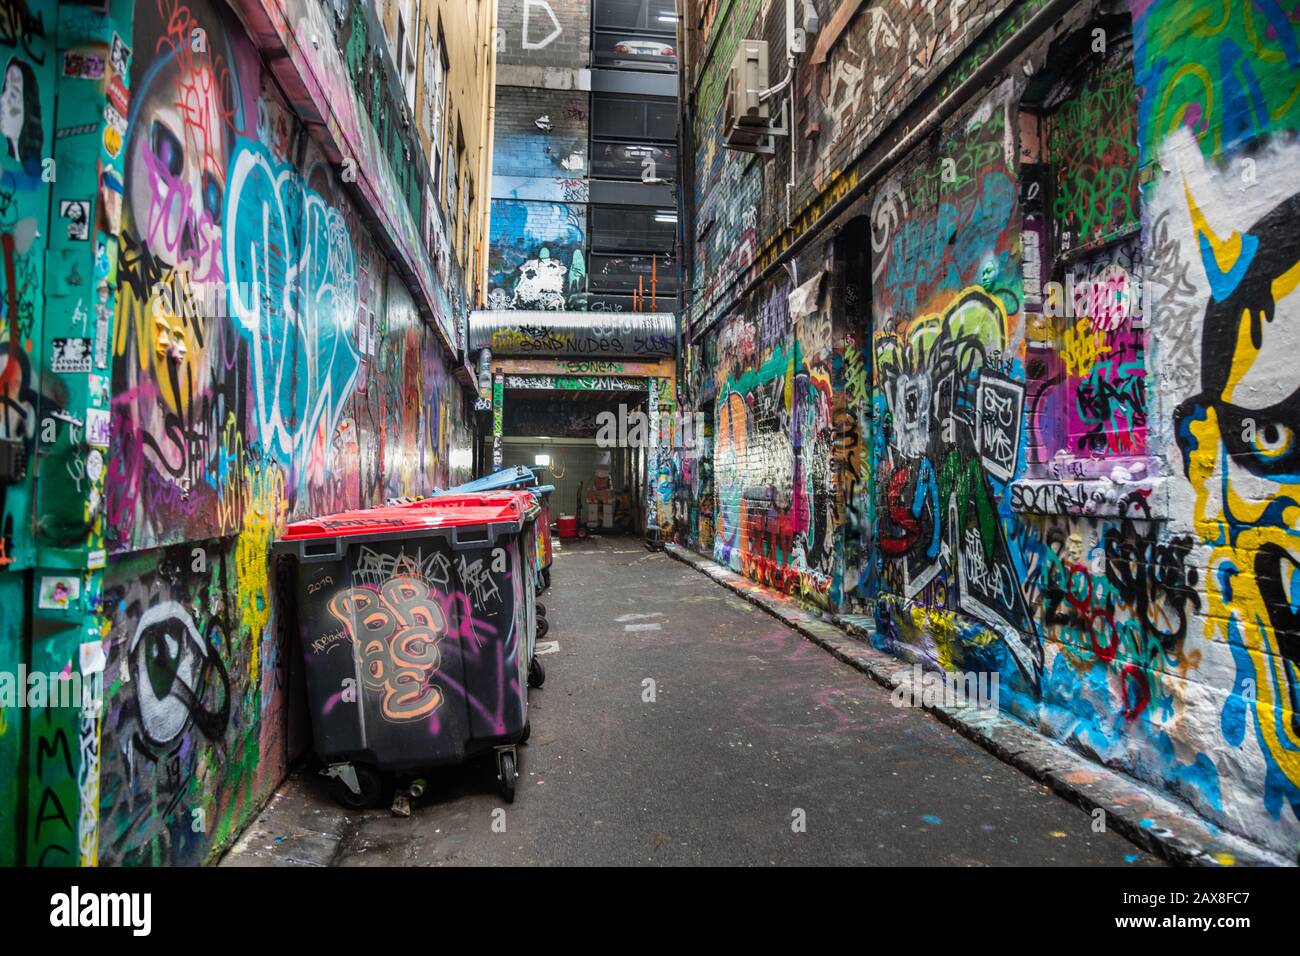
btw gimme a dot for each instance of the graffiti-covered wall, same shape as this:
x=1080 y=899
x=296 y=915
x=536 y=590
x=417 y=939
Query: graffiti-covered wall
x=235 y=351
x=1026 y=400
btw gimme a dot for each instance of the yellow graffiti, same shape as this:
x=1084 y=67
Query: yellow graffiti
x=1226 y=251
x=1242 y=527
x=1081 y=348
x=265 y=514
x=166 y=329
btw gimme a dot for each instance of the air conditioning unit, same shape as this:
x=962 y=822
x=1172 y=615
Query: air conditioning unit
x=747 y=117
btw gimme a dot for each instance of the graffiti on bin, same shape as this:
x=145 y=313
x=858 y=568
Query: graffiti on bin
x=395 y=633
x=397 y=614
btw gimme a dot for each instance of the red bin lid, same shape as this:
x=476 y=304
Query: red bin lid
x=421 y=516
x=457 y=501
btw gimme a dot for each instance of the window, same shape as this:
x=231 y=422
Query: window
x=634 y=118
x=658 y=16
x=648 y=162
x=653 y=276
x=458 y=187
x=633 y=229
x=467 y=204
x=435 y=102
x=635 y=34
x=406 y=62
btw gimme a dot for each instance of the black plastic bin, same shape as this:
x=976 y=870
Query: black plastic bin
x=417 y=629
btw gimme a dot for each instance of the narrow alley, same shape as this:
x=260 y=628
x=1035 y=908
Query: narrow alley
x=650 y=433
x=750 y=723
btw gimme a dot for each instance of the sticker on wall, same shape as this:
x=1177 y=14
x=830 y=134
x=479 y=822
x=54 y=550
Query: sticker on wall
x=85 y=129
x=78 y=65
x=70 y=355
x=102 y=312
x=100 y=391
x=58 y=593
x=118 y=55
x=114 y=130
x=92 y=657
x=103 y=264
x=96 y=559
x=97 y=427
x=95 y=467
x=77 y=213
x=118 y=95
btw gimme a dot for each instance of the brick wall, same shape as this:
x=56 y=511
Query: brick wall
x=1028 y=424
x=546 y=33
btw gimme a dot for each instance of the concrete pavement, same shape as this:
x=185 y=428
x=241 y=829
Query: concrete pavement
x=752 y=728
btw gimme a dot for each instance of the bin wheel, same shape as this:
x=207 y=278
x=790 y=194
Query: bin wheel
x=546 y=579
x=536 y=672
x=507 y=769
x=541 y=609
x=542 y=627
x=528 y=732
x=370 y=782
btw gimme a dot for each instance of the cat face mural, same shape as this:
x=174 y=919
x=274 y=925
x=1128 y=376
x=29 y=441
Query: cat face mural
x=1240 y=439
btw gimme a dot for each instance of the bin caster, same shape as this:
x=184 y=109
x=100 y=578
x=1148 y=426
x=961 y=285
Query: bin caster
x=506 y=772
x=541 y=609
x=356 y=786
x=536 y=672
x=546 y=579
x=543 y=628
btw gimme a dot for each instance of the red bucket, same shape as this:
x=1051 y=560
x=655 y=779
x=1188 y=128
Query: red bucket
x=568 y=526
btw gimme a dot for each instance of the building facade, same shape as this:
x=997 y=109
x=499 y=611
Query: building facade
x=227 y=306
x=583 y=272
x=992 y=340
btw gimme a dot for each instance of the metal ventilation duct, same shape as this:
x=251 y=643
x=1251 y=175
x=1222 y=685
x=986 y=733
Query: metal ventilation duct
x=625 y=335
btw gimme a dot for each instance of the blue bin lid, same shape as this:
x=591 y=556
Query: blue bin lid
x=520 y=476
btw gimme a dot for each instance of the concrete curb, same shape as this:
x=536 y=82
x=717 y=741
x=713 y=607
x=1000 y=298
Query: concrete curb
x=1156 y=823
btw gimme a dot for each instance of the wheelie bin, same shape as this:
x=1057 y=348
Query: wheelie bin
x=521 y=476
x=546 y=547
x=416 y=628
x=531 y=549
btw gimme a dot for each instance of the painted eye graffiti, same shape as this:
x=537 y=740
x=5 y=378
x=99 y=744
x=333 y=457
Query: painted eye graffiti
x=167 y=148
x=1271 y=441
x=212 y=197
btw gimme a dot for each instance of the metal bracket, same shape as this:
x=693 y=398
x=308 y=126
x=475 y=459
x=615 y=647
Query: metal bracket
x=345 y=772
x=767 y=147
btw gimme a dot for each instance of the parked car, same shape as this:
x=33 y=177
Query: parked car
x=656 y=48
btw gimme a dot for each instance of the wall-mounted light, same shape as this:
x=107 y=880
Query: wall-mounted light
x=542 y=461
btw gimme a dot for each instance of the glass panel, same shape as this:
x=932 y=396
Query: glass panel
x=634 y=161
x=657 y=16
x=628 y=117
x=633 y=51
x=652 y=276
x=633 y=229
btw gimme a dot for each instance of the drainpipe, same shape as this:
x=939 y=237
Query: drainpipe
x=486 y=146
